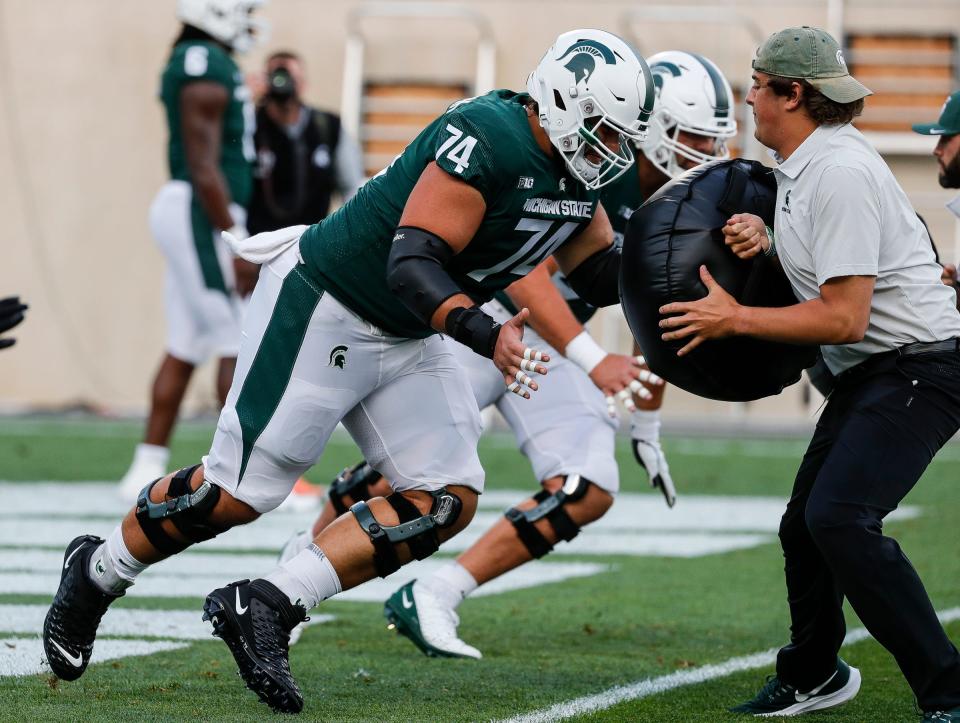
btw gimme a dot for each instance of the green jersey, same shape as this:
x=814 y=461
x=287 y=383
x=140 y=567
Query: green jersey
x=532 y=207
x=619 y=200
x=205 y=60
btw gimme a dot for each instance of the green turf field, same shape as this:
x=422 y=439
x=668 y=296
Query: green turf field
x=641 y=618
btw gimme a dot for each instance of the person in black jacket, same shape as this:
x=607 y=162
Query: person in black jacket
x=303 y=154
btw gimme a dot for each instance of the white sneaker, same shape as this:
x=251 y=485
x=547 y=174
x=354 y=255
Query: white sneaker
x=418 y=614
x=149 y=463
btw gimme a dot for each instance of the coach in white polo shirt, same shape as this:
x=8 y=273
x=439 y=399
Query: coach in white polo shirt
x=862 y=265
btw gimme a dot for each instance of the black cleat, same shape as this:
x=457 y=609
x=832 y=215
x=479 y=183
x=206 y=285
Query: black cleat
x=254 y=619
x=71 y=623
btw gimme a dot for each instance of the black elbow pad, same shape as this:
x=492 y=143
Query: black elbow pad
x=416 y=273
x=597 y=279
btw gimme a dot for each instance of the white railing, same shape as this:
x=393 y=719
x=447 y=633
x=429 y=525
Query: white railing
x=351 y=110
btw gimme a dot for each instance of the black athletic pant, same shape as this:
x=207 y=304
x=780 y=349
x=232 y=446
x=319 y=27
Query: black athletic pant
x=883 y=423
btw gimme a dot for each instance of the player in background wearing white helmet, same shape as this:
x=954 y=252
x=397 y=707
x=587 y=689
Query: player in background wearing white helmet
x=343 y=326
x=210 y=152
x=567 y=431
x=691 y=124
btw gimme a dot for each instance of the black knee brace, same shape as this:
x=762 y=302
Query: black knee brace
x=417 y=530
x=188 y=511
x=354 y=482
x=549 y=506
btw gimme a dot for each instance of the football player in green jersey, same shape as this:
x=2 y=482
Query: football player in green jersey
x=566 y=431
x=210 y=150
x=691 y=121
x=342 y=326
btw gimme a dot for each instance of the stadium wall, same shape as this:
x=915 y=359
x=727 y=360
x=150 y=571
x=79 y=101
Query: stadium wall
x=82 y=153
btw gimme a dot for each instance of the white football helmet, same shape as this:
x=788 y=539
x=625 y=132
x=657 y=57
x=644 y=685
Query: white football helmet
x=692 y=96
x=229 y=21
x=587 y=80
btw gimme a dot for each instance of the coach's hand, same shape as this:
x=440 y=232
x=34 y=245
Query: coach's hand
x=712 y=317
x=619 y=377
x=746 y=235
x=516 y=360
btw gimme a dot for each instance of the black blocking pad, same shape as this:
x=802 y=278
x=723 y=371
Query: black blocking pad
x=666 y=241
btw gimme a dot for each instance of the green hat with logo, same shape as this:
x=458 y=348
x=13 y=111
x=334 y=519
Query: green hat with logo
x=813 y=55
x=949 y=123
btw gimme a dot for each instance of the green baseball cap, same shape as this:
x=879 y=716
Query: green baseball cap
x=949 y=122
x=813 y=55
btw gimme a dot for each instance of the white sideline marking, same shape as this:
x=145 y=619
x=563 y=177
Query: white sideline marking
x=158 y=584
x=652 y=686
x=168 y=624
x=271 y=532
x=638 y=524
x=24 y=656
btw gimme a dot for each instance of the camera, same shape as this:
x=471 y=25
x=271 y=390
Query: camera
x=280 y=85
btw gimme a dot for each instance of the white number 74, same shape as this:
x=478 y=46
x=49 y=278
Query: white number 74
x=459 y=153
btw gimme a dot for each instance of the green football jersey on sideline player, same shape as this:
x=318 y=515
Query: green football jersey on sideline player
x=204 y=60
x=533 y=206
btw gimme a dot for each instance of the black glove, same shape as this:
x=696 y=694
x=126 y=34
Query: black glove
x=11 y=314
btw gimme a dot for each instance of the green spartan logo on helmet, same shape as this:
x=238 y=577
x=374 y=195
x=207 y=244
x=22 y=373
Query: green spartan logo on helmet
x=583 y=61
x=662 y=69
x=338 y=357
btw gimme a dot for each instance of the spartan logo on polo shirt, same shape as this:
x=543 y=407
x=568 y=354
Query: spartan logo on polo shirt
x=786 y=202
x=338 y=357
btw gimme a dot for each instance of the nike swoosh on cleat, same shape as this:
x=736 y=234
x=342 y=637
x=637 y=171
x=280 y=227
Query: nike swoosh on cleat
x=66 y=563
x=75 y=660
x=240 y=609
x=407 y=603
x=804 y=697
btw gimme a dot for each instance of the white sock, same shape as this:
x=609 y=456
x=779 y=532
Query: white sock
x=112 y=568
x=153 y=454
x=307 y=579
x=645 y=424
x=451 y=584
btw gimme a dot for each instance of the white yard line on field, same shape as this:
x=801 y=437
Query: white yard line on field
x=24 y=656
x=652 y=686
x=130 y=622
x=169 y=582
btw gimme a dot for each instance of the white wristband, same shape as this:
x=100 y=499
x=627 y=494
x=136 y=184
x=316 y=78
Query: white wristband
x=584 y=351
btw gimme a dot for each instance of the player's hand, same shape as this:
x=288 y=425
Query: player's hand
x=515 y=360
x=619 y=377
x=245 y=275
x=712 y=317
x=746 y=235
x=11 y=314
x=649 y=455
